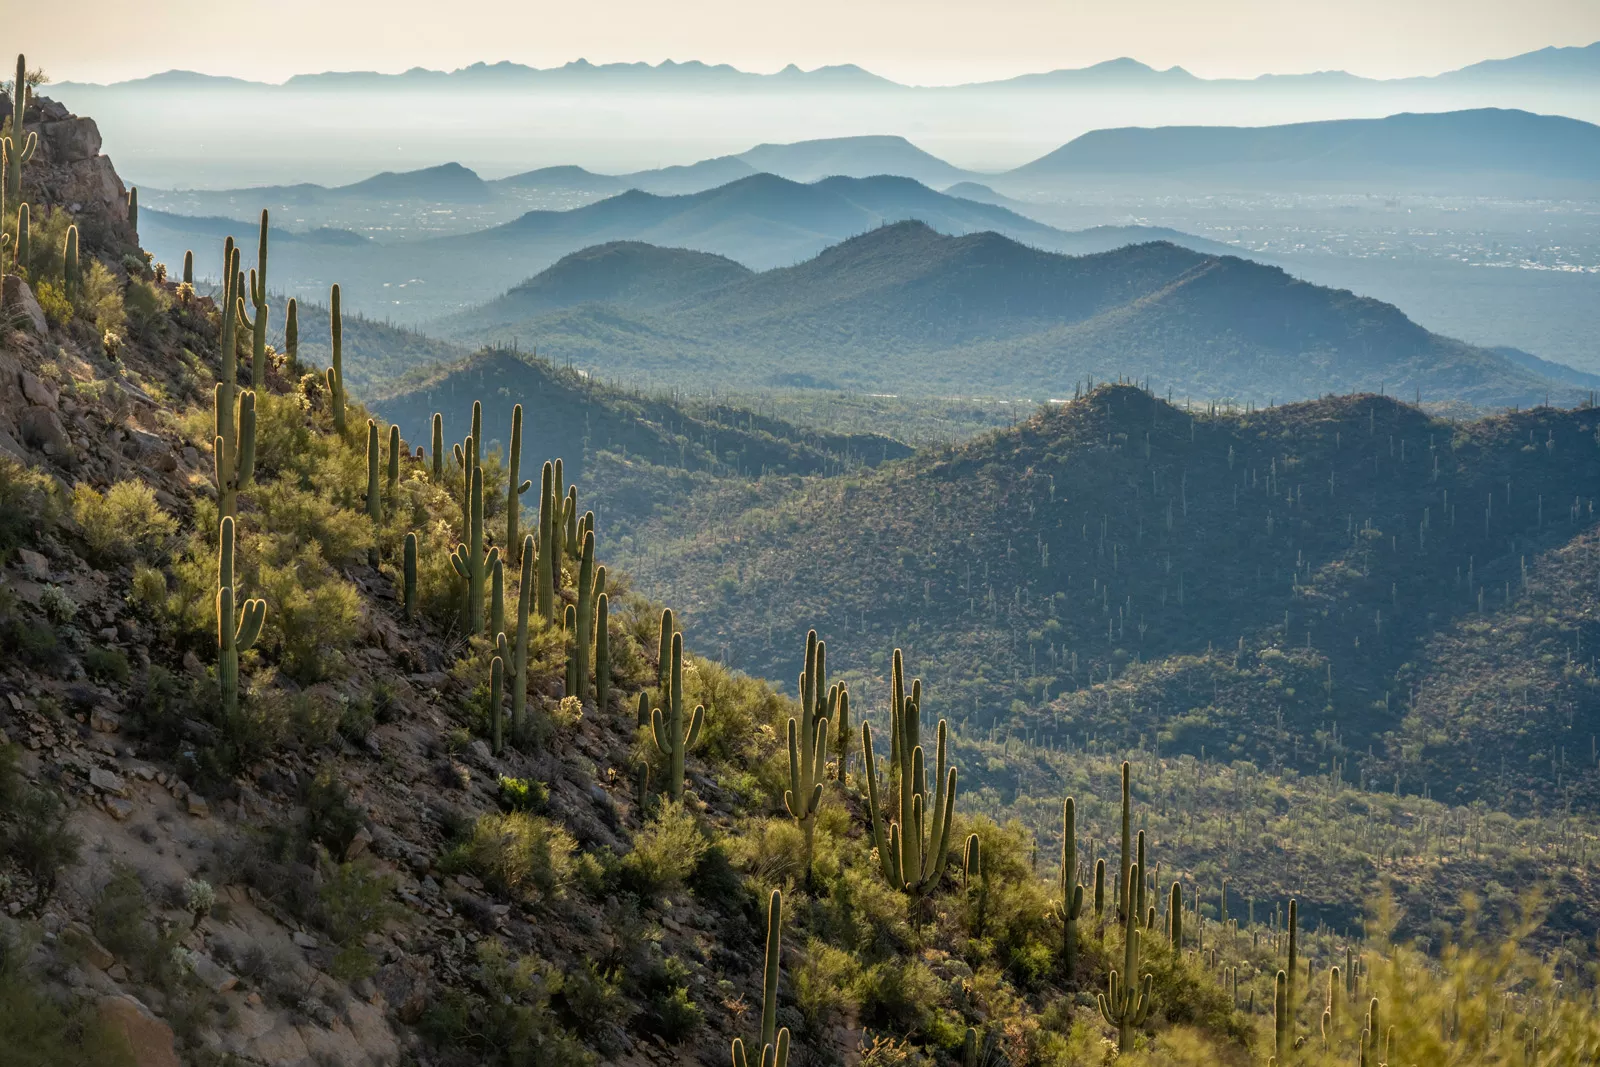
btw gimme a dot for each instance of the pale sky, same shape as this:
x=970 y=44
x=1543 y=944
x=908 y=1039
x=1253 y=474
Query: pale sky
x=915 y=41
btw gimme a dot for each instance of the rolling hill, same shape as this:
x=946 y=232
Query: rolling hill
x=761 y=221
x=631 y=452
x=1340 y=583
x=908 y=310
x=1456 y=148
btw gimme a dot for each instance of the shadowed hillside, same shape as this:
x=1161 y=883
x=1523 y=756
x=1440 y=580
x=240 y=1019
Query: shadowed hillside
x=1312 y=586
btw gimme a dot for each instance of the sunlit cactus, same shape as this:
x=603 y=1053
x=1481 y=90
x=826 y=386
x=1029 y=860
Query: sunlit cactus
x=673 y=735
x=235 y=633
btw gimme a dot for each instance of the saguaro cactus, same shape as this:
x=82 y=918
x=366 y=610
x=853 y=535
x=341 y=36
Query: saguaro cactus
x=497 y=679
x=291 y=331
x=515 y=488
x=911 y=862
x=673 y=736
x=234 y=634
x=438 y=449
x=336 y=361
x=188 y=267
x=519 y=654
x=1175 y=917
x=1071 y=906
x=774 y=1042
x=233 y=448
x=1294 y=924
x=1099 y=891
x=497 y=597
x=71 y=270
x=570 y=628
x=17 y=147
x=549 y=565
x=1126 y=1002
x=411 y=576
x=584 y=634
x=843 y=733
x=24 y=255
x=256 y=291
x=469 y=559
x=602 y=652
x=808 y=743
x=133 y=210
x=1124 y=902
x=374 y=497
x=1282 y=1027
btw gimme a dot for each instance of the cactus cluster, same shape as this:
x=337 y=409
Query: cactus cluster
x=913 y=849
x=808 y=741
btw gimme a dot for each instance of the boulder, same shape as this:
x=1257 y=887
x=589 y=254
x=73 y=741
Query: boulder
x=41 y=430
x=70 y=140
x=149 y=1038
x=36 y=391
x=19 y=299
x=34 y=565
x=108 y=782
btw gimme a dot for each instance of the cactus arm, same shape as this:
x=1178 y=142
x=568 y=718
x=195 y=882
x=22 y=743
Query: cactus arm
x=255 y=614
x=870 y=766
x=458 y=561
x=658 y=729
x=695 y=723
x=245 y=458
x=791 y=796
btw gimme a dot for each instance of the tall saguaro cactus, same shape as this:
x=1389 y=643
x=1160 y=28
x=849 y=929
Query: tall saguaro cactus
x=71 y=269
x=584 y=635
x=291 y=331
x=374 y=497
x=913 y=850
x=438 y=449
x=1282 y=1026
x=774 y=1042
x=469 y=559
x=673 y=736
x=256 y=292
x=1124 y=901
x=1071 y=906
x=515 y=488
x=234 y=634
x=519 y=654
x=17 y=147
x=24 y=254
x=808 y=742
x=1126 y=1002
x=549 y=565
x=411 y=576
x=1175 y=917
x=602 y=652
x=336 y=361
x=188 y=266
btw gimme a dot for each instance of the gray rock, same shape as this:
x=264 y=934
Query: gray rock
x=34 y=565
x=71 y=139
x=36 y=391
x=121 y=810
x=212 y=975
x=20 y=299
x=104 y=721
x=43 y=431
x=108 y=781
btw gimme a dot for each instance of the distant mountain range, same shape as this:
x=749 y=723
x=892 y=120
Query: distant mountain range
x=906 y=309
x=1457 y=147
x=1568 y=64
x=760 y=220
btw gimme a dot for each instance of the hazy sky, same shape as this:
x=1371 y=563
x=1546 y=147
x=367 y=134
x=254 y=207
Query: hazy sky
x=920 y=41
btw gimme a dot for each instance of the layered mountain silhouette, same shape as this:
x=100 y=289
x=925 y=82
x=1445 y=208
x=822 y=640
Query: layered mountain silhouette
x=1457 y=146
x=907 y=309
x=761 y=221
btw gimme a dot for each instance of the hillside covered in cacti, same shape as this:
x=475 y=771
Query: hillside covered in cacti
x=331 y=738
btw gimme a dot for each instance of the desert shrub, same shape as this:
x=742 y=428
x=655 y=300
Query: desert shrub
x=107 y=665
x=665 y=851
x=898 y=995
x=672 y=1012
x=53 y=302
x=523 y=794
x=332 y=818
x=125 y=523
x=519 y=854
x=594 y=999
x=30 y=641
x=149 y=588
x=35 y=833
x=352 y=903
x=123 y=920
x=824 y=984
x=298 y=516
x=101 y=298
x=313 y=613
x=146 y=303
x=47 y=244
x=736 y=707
x=29 y=505
x=57 y=606
x=506 y=1016
x=38 y=1028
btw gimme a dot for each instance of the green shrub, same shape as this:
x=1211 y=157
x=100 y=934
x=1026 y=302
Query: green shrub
x=30 y=504
x=147 y=304
x=107 y=665
x=523 y=794
x=898 y=995
x=124 y=921
x=149 y=590
x=352 y=903
x=313 y=613
x=665 y=851
x=126 y=523
x=298 y=516
x=824 y=985
x=101 y=299
x=57 y=606
x=510 y=1021
x=332 y=819
x=519 y=854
